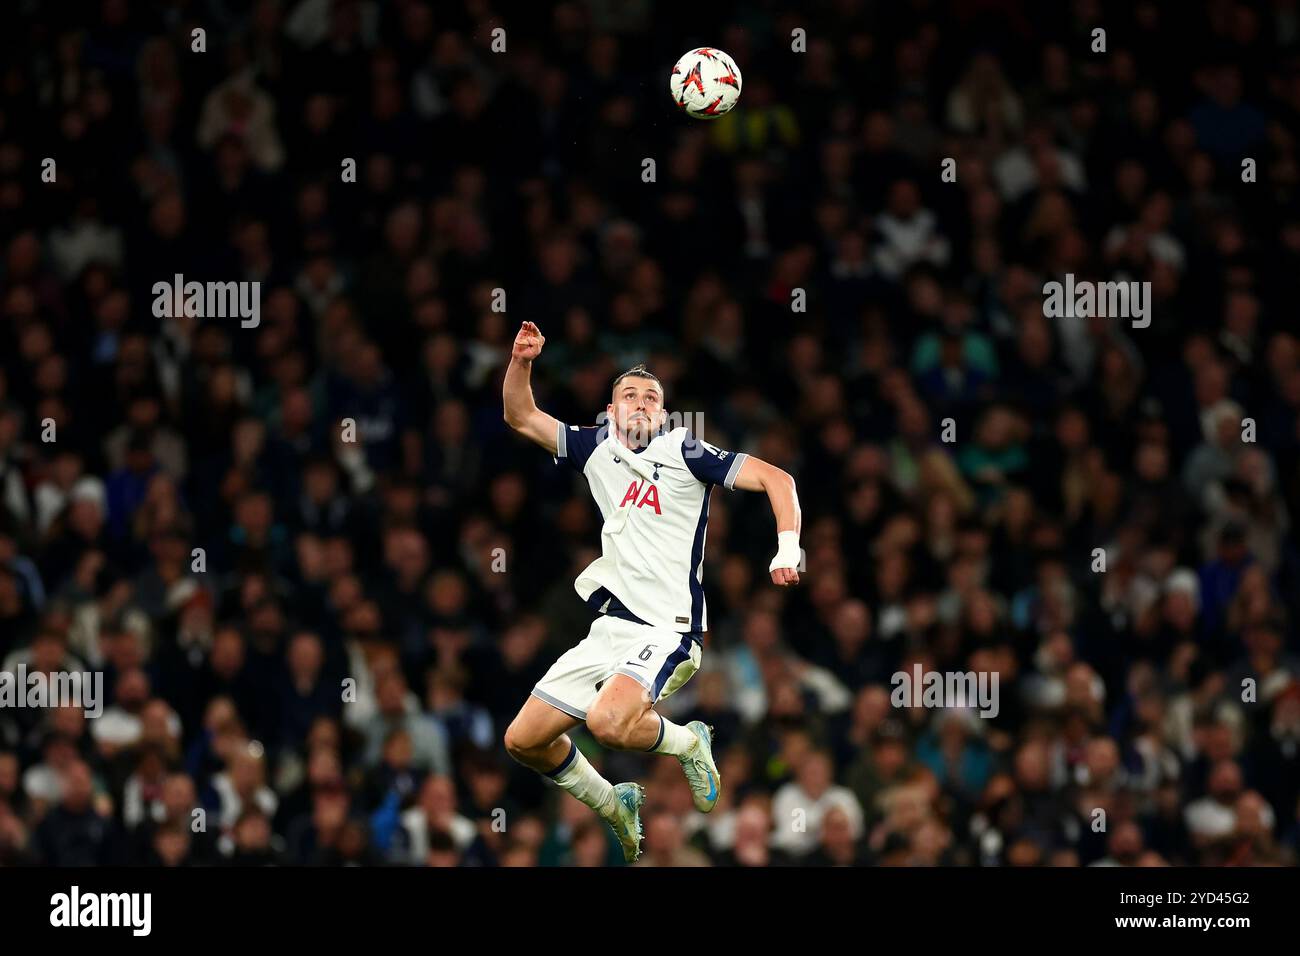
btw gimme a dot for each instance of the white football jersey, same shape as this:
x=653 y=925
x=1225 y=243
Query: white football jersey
x=655 y=504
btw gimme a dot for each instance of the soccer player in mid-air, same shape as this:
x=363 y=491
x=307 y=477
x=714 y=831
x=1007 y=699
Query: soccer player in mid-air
x=652 y=487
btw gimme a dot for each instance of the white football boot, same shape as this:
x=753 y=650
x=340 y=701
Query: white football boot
x=701 y=772
x=626 y=818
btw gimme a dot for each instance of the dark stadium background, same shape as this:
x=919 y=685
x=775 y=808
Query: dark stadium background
x=522 y=171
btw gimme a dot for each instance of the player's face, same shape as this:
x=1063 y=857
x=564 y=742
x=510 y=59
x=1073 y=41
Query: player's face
x=637 y=409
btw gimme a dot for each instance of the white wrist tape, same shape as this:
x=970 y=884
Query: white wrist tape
x=788 y=554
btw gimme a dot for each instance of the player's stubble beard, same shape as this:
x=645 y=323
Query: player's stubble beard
x=639 y=429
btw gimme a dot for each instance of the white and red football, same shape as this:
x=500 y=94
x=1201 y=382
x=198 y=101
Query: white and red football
x=705 y=83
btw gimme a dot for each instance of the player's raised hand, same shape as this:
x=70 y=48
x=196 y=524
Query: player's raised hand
x=783 y=577
x=785 y=566
x=528 y=343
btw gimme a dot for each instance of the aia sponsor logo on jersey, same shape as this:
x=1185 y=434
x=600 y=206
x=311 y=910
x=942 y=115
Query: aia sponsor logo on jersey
x=642 y=495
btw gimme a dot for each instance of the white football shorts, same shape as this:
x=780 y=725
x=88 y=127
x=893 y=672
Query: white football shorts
x=662 y=661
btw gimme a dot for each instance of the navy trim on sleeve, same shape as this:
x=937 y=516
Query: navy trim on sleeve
x=711 y=464
x=575 y=444
x=737 y=463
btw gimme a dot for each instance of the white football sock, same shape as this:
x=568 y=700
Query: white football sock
x=674 y=738
x=579 y=777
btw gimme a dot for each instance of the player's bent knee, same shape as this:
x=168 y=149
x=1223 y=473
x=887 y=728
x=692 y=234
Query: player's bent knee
x=606 y=733
x=520 y=744
x=610 y=728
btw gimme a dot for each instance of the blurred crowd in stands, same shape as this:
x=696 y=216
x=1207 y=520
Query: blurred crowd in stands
x=319 y=642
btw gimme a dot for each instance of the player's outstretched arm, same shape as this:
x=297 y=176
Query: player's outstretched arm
x=758 y=475
x=521 y=412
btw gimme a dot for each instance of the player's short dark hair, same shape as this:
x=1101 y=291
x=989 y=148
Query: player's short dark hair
x=638 y=371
